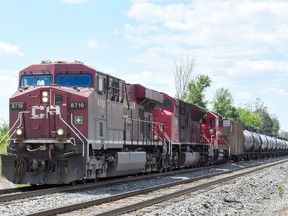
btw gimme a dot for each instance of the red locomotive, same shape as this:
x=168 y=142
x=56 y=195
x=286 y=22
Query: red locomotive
x=70 y=122
x=212 y=133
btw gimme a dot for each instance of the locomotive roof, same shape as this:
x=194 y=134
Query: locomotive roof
x=48 y=66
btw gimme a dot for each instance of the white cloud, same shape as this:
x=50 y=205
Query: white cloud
x=243 y=96
x=75 y=1
x=206 y=23
x=10 y=49
x=152 y=79
x=109 y=70
x=93 y=44
x=115 y=31
x=241 y=45
x=9 y=84
x=275 y=91
x=245 y=67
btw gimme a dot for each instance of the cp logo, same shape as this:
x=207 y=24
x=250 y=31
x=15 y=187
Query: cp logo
x=39 y=112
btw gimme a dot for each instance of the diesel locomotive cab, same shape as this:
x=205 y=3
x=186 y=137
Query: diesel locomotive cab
x=212 y=133
x=48 y=123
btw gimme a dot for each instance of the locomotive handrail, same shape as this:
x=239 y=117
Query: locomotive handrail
x=169 y=140
x=139 y=120
x=155 y=132
x=83 y=146
x=125 y=118
x=20 y=113
x=72 y=130
x=207 y=139
x=227 y=144
x=165 y=135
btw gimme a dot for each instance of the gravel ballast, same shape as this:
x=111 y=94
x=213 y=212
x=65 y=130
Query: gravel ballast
x=263 y=193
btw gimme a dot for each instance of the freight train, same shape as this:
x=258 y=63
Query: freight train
x=69 y=122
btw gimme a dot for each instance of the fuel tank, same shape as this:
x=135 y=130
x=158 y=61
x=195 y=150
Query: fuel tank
x=189 y=159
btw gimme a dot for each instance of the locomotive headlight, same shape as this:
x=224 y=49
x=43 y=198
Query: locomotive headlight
x=19 y=131
x=45 y=96
x=60 y=132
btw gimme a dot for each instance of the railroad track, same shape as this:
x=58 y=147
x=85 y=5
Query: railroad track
x=133 y=200
x=22 y=189
x=40 y=190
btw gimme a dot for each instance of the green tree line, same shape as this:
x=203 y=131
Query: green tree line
x=254 y=115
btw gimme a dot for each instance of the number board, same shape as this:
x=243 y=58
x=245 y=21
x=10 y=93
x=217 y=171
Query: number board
x=77 y=105
x=17 y=105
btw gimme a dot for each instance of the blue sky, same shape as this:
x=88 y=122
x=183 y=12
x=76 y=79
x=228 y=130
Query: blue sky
x=241 y=45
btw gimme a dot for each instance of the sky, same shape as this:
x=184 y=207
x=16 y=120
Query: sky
x=241 y=45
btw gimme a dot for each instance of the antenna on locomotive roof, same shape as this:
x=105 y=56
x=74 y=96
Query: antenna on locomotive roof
x=46 y=62
x=77 y=61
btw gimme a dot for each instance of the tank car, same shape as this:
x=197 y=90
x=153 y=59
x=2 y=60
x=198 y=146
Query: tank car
x=247 y=145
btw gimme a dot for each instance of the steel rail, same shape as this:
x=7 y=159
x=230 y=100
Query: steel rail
x=139 y=205
x=23 y=189
x=30 y=191
x=153 y=201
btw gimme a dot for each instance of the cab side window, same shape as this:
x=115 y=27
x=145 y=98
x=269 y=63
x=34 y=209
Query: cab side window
x=100 y=85
x=211 y=122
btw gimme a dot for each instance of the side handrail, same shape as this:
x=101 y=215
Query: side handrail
x=18 y=119
x=72 y=131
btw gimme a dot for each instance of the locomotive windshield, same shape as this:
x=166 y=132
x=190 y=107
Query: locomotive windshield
x=81 y=80
x=36 y=80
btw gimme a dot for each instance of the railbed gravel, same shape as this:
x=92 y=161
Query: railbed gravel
x=241 y=197
x=264 y=193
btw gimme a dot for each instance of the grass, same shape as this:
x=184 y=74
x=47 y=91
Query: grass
x=2 y=151
x=281 y=190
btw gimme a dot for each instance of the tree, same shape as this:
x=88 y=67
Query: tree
x=283 y=134
x=3 y=137
x=269 y=125
x=196 y=89
x=223 y=103
x=275 y=126
x=250 y=119
x=183 y=69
